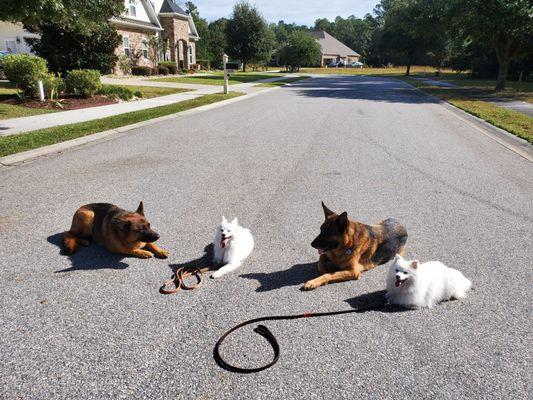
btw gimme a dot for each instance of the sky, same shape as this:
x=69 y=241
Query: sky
x=303 y=12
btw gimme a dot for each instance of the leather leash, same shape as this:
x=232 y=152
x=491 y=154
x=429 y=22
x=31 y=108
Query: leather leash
x=179 y=277
x=265 y=332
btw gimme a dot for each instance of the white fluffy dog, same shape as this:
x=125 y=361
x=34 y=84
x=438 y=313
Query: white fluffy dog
x=415 y=285
x=232 y=245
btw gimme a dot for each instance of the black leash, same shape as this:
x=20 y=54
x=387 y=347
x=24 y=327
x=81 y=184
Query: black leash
x=265 y=332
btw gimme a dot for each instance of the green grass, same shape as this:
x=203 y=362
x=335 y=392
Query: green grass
x=394 y=71
x=514 y=122
x=283 y=81
x=149 y=92
x=218 y=78
x=7 y=111
x=43 y=137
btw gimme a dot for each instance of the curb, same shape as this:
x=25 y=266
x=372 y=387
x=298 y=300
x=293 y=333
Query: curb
x=508 y=140
x=57 y=148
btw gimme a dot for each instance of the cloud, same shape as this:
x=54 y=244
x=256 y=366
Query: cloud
x=301 y=12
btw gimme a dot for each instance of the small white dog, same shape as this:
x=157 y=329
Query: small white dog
x=415 y=285
x=232 y=245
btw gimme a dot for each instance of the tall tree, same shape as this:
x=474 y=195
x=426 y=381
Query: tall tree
x=248 y=36
x=202 y=46
x=506 y=24
x=78 y=15
x=301 y=50
x=217 y=41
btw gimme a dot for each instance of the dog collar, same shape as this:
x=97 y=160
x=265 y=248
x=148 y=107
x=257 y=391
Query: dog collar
x=348 y=252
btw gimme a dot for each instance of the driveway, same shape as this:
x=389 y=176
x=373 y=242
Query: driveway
x=95 y=326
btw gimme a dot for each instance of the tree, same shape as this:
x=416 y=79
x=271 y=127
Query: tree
x=217 y=41
x=301 y=50
x=506 y=24
x=323 y=24
x=78 y=15
x=202 y=46
x=156 y=46
x=65 y=49
x=247 y=35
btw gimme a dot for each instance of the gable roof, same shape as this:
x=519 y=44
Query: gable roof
x=152 y=24
x=332 y=46
x=169 y=6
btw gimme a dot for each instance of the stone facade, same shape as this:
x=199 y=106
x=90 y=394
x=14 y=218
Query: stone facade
x=176 y=32
x=137 y=52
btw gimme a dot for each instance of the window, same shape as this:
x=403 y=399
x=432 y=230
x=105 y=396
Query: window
x=145 y=49
x=133 y=8
x=190 y=54
x=126 y=45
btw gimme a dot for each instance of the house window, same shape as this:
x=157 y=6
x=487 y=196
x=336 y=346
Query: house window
x=133 y=8
x=126 y=45
x=145 y=49
x=190 y=54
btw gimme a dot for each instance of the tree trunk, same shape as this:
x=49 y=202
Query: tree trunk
x=243 y=65
x=410 y=55
x=503 y=67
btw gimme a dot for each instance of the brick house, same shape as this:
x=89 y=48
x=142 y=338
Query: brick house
x=333 y=50
x=141 y=21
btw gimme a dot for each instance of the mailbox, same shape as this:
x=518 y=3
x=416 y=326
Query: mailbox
x=231 y=67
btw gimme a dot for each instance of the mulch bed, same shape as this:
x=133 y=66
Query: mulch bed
x=68 y=102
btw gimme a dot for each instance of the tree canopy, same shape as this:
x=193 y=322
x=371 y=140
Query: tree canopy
x=301 y=50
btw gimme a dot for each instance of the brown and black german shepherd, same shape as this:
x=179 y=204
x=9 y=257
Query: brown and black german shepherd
x=120 y=231
x=348 y=248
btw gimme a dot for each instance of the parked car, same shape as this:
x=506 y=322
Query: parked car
x=335 y=64
x=355 y=64
x=2 y=55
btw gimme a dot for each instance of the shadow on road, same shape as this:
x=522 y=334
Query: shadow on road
x=296 y=275
x=373 y=301
x=361 y=88
x=89 y=258
x=204 y=261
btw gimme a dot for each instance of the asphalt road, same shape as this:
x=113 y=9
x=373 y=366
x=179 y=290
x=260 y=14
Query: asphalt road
x=95 y=326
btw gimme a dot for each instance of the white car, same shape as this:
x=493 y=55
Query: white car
x=355 y=64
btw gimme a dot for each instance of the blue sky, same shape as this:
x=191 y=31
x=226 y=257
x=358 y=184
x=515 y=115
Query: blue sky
x=301 y=12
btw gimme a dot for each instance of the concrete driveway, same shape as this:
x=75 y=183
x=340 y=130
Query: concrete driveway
x=95 y=326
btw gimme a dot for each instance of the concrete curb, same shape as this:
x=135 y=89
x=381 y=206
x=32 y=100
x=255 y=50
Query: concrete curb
x=19 y=158
x=501 y=136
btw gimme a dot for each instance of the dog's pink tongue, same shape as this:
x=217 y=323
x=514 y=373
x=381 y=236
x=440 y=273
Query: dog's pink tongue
x=398 y=283
x=223 y=243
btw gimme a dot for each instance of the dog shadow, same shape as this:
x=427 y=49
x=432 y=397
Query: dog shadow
x=204 y=261
x=296 y=275
x=373 y=301
x=89 y=258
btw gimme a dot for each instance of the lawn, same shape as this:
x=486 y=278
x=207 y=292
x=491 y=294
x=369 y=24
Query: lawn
x=7 y=111
x=514 y=122
x=149 y=92
x=283 y=81
x=218 y=78
x=394 y=71
x=43 y=137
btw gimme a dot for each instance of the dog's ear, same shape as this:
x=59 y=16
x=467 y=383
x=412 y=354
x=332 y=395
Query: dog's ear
x=327 y=211
x=234 y=221
x=140 y=209
x=414 y=264
x=224 y=220
x=397 y=258
x=122 y=224
x=342 y=222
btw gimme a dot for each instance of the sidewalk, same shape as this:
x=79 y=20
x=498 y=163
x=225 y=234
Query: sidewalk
x=522 y=107
x=26 y=124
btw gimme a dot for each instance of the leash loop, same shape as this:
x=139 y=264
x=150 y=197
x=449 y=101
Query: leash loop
x=178 y=280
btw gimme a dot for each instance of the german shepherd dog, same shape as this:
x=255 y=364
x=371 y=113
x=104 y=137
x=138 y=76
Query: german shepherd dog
x=120 y=231
x=348 y=248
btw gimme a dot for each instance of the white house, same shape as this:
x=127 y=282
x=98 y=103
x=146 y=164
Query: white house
x=12 y=38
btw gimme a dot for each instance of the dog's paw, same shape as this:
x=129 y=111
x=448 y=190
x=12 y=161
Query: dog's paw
x=309 y=285
x=143 y=254
x=216 y=275
x=162 y=254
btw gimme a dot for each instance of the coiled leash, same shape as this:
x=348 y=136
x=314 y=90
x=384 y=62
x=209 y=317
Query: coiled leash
x=179 y=277
x=265 y=332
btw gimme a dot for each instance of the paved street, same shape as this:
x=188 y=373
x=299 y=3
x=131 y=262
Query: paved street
x=94 y=325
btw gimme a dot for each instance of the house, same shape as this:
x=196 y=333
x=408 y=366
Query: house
x=12 y=38
x=142 y=20
x=333 y=50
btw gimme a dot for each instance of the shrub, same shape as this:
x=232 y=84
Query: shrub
x=143 y=71
x=172 y=68
x=154 y=71
x=117 y=92
x=85 y=82
x=53 y=85
x=24 y=71
x=124 y=63
x=162 y=70
x=138 y=94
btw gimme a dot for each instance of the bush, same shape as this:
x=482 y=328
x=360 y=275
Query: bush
x=162 y=70
x=117 y=92
x=24 y=71
x=142 y=71
x=85 y=82
x=155 y=71
x=53 y=85
x=124 y=63
x=172 y=68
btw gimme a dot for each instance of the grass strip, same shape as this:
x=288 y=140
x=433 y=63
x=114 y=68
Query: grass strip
x=283 y=81
x=217 y=79
x=43 y=137
x=513 y=122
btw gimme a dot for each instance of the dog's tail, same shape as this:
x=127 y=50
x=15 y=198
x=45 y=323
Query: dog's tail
x=71 y=243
